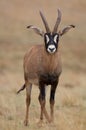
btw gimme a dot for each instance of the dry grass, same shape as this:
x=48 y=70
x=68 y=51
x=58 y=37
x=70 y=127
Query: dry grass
x=70 y=106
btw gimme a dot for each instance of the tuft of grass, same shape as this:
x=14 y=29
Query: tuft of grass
x=70 y=101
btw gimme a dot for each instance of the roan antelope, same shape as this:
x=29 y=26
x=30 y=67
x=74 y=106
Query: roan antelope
x=42 y=66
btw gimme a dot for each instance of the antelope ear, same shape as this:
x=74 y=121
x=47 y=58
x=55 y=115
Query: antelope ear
x=66 y=29
x=37 y=30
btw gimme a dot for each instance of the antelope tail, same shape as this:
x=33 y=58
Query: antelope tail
x=21 y=89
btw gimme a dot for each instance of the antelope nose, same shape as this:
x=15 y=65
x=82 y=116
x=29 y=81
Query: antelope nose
x=51 y=49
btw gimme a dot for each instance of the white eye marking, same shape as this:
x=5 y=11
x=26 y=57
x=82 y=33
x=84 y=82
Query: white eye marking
x=47 y=38
x=55 y=38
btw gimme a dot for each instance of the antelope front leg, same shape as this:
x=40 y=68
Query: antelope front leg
x=43 y=109
x=42 y=103
x=52 y=100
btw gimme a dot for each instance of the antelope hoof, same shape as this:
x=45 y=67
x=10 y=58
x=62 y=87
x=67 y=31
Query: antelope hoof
x=25 y=122
x=52 y=123
x=40 y=123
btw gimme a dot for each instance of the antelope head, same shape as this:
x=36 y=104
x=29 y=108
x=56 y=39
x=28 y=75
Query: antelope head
x=51 y=38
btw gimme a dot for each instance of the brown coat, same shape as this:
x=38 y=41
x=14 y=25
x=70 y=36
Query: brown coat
x=37 y=62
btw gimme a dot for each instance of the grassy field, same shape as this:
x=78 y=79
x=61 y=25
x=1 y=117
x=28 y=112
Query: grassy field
x=15 y=40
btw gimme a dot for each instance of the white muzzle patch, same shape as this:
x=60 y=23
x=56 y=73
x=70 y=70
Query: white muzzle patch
x=51 y=48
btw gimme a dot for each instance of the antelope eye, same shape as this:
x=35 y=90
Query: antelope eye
x=55 y=38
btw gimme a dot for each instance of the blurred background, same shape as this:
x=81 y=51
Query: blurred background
x=16 y=39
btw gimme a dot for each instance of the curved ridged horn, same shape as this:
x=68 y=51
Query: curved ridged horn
x=45 y=22
x=57 y=22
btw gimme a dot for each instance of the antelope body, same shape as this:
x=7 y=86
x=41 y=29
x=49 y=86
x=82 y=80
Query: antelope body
x=42 y=66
